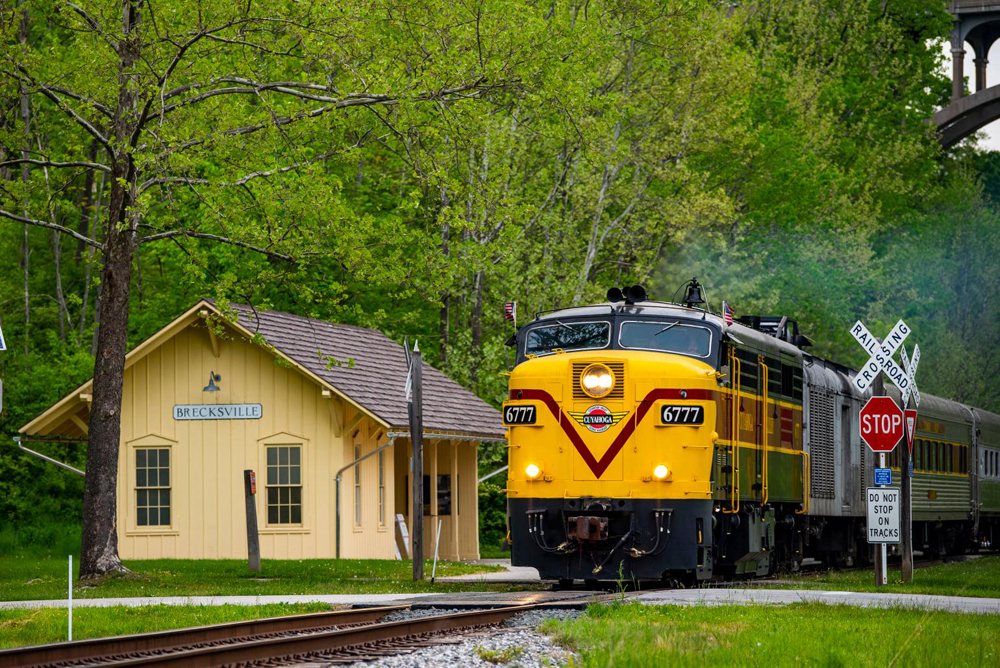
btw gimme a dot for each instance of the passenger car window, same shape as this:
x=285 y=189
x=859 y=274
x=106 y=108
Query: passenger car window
x=670 y=337
x=567 y=336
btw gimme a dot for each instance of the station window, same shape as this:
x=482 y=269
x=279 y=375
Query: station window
x=152 y=487
x=443 y=495
x=284 y=484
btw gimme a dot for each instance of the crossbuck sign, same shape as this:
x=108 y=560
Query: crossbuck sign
x=881 y=356
x=911 y=374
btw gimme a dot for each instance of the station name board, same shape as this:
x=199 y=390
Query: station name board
x=218 y=412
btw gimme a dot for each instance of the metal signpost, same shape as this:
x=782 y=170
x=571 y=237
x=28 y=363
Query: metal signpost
x=910 y=418
x=881 y=429
x=414 y=398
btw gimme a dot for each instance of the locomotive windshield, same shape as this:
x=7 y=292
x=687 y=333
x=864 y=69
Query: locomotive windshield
x=669 y=337
x=567 y=336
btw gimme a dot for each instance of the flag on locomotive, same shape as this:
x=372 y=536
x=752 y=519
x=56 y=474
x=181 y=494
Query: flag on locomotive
x=510 y=311
x=727 y=313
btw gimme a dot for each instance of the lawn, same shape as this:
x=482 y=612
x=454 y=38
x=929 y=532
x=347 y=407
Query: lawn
x=633 y=634
x=36 y=627
x=978 y=577
x=37 y=578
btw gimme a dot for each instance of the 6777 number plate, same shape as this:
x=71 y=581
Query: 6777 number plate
x=682 y=414
x=523 y=414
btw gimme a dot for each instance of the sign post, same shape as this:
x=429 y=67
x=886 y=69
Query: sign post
x=253 y=538
x=415 y=398
x=910 y=418
x=882 y=427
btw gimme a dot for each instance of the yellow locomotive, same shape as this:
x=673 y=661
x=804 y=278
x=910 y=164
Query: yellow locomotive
x=652 y=441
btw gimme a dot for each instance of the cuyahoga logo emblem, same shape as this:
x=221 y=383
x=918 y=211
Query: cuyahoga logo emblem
x=598 y=418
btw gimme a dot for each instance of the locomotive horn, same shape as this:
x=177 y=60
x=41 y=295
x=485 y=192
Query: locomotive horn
x=634 y=294
x=615 y=295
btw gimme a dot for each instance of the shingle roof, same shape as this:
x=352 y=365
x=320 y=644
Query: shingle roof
x=377 y=378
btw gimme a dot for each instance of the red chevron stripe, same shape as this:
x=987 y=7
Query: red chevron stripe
x=599 y=467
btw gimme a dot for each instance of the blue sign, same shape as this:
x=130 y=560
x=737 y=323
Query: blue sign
x=883 y=477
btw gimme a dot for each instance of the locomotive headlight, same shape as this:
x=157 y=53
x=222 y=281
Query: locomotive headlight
x=661 y=471
x=597 y=380
x=532 y=471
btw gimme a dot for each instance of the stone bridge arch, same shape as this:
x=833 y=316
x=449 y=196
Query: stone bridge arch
x=977 y=23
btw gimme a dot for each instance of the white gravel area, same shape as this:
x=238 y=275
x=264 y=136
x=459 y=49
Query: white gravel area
x=516 y=644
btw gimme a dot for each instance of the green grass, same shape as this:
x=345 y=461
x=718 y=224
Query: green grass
x=978 y=577
x=39 y=626
x=34 y=578
x=634 y=634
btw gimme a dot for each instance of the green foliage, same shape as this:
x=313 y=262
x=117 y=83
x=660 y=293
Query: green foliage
x=635 y=634
x=32 y=577
x=777 y=150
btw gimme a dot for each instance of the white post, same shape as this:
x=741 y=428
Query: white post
x=882 y=547
x=70 y=580
x=437 y=543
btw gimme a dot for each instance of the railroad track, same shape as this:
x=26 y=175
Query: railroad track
x=343 y=636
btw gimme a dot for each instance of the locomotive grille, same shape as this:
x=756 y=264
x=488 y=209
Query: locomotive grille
x=821 y=475
x=617 y=392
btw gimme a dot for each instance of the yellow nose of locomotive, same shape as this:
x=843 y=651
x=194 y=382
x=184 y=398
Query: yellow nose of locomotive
x=619 y=424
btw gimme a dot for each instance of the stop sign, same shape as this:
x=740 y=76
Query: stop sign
x=881 y=424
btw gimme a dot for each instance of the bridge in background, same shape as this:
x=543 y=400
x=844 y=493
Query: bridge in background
x=977 y=22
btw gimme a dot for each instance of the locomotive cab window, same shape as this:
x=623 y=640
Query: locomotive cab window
x=668 y=337
x=569 y=335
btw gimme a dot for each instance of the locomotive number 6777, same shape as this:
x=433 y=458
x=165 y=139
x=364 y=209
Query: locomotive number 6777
x=655 y=441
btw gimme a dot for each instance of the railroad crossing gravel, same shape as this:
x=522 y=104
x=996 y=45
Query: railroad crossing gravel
x=520 y=637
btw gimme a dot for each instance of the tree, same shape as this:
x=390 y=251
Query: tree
x=225 y=112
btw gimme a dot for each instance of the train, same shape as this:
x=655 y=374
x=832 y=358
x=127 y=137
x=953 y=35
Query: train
x=657 y=441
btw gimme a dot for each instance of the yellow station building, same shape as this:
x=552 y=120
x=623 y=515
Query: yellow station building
x=298 y=401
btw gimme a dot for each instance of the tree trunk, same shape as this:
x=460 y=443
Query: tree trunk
x=445 y=298
x=100 y=503
x=477 y=329
x=56 y=239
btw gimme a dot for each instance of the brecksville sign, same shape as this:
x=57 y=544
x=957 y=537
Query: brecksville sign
x=218 y=412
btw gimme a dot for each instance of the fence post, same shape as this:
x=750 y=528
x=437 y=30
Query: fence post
x=253 y=540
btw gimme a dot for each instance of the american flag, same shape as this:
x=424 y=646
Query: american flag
x=510 y=311
x=727 y=313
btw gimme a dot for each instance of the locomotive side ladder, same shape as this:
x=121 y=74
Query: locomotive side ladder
x=763 y=430
x=734 y=443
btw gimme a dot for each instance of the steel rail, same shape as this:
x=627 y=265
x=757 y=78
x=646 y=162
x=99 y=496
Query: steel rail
x=161 y=641
x=324 y=641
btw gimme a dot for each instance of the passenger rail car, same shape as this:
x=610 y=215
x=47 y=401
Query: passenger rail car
x=652 y=441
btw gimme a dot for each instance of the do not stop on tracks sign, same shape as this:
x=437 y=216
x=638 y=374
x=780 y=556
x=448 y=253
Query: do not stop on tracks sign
x=881 y=424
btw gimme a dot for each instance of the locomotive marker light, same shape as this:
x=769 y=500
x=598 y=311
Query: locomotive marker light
x=881 y=356
x=661 y=472
x=532 y=471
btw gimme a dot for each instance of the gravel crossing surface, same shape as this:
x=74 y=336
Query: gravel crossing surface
x=515 y=644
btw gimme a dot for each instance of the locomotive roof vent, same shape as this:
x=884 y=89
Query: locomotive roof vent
x=632 y=294
x=780 y=327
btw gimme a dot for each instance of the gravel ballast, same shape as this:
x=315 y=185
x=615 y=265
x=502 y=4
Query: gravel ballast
x=517 y=641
